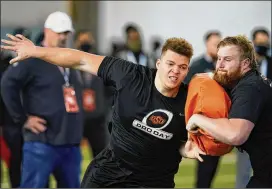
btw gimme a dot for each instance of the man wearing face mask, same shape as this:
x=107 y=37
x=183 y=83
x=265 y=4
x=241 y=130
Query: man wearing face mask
x=134 y=51
x=96 y=105
x=261 y=42
x=84 y=41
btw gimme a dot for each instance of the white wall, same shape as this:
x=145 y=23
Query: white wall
x=29 y=13
x=189 y=20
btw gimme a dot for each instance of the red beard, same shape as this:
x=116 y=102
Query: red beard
x=226 y=79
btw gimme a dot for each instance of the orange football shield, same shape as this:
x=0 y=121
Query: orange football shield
x=207 y=97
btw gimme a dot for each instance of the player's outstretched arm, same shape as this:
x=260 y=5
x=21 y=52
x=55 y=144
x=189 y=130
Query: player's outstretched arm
x=64 y=57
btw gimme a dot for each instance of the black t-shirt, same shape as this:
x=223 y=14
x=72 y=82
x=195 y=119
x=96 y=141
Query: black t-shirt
x=252 y=100
x=148 y=128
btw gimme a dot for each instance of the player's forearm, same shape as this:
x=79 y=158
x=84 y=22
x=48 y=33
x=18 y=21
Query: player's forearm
x=221 y=129
x=71 y=58
x=59 y=56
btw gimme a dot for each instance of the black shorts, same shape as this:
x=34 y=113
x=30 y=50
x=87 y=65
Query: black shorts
x=256 y=182
x=105 y=172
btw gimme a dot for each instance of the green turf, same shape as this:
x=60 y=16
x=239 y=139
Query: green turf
x=185 y=177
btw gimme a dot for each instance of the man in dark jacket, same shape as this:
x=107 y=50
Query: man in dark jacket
x=261 y=40
x=50 y=111
x=96 y=105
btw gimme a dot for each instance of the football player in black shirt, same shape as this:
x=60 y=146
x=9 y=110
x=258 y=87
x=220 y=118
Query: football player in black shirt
x=149 y=133
x=249 y=125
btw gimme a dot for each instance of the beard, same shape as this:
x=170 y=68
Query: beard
x=228 y=80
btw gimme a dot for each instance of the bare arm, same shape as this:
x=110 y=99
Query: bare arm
x=243 y=115
x=64 y=57
x=229 y=131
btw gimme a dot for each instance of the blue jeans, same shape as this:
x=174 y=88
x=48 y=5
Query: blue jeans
x=243 y=169
x=40 y=160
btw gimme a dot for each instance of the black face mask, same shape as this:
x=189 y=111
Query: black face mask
x=86 y=47
x=261 y=50
x=156 y=45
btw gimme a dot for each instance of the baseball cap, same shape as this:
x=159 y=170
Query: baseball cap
x=59 y=22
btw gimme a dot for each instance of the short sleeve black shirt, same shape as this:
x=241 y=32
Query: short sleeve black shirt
x=148 y=128
x=252 y=100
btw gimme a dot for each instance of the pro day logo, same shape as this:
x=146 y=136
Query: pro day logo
x=154 y=122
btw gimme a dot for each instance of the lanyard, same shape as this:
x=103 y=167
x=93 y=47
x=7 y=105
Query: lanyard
x=65 y=72
x=87 y=79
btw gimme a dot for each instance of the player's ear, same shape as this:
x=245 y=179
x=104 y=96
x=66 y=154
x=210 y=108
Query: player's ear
x=245 y=63
x=158 y=63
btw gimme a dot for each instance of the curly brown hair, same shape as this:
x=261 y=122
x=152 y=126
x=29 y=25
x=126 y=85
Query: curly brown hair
x=178 y=45
x=245 y=45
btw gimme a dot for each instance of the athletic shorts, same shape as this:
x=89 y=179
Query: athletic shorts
x=105 y=171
